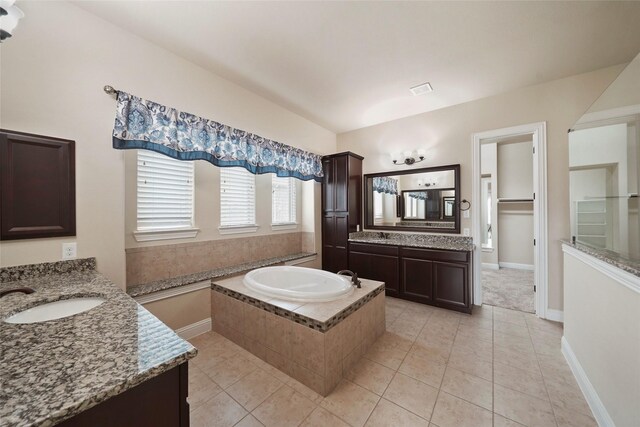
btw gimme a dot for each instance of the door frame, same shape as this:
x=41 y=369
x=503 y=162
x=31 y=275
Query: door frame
x=540 y=231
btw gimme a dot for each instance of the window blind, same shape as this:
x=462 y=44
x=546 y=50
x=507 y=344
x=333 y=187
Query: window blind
x=283 y=200
x=237 y=197
x=378 y=201
x=165 y=192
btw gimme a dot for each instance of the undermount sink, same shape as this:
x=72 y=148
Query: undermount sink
x=55 y=310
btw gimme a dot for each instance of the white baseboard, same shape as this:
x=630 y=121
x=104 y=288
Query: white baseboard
x=517 y=266
x=597 y=407
x=194 y=329
x=490 y=266
x=555 y=315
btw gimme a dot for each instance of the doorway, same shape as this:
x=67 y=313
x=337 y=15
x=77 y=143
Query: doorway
x=509 y=219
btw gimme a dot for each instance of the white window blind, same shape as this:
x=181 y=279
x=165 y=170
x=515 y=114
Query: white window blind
x=378 y=200
x=237 y=197
x=283 y=200
x=165 y=192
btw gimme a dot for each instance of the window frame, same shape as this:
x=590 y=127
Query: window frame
x=292 y=223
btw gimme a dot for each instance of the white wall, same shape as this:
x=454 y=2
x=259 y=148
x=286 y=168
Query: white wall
x=446 y=135
x=52 y=73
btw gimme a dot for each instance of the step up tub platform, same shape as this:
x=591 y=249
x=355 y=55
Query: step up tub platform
x=313 y=342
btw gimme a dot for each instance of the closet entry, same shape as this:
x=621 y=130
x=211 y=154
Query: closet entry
x=507 y=223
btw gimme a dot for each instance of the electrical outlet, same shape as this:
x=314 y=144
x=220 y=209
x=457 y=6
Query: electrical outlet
x=465 y=214
x=466 y=232
x=69 y=250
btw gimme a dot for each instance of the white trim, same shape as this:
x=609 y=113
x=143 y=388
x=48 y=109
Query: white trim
x=555 y=315
x=539 y=132
x=284 y=226
x=238 y=229
x=627 y=279
x=194 y=329
x=490 y=266
x=152 y=235
x=301 y=260
x=173 y=292
x=597 y=407
x=517 y=266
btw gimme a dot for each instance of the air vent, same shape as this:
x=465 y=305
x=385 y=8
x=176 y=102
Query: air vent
x=421 y=89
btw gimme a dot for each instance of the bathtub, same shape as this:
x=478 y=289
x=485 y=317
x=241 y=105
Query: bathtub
x=298 y=284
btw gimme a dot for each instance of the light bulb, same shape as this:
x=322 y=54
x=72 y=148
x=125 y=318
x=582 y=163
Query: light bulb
x=422 y=152
x=407 y=154
x=395 y=157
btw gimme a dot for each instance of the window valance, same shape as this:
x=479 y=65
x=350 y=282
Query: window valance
x=385 y=184
x=143 y=124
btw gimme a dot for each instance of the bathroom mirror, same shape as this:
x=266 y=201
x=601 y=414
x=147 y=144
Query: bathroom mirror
x=604 y=158
x=424 y=199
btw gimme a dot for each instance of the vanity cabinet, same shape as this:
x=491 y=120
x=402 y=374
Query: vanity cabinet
x=429 y=276
x=341 y=207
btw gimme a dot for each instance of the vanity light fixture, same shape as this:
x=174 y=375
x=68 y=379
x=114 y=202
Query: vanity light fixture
x=408 y=157
x=421 y=89
x=9 y=17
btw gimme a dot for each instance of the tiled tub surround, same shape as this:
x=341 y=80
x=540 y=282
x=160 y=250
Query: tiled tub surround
x=315 y=343
x=54 y=370
x=153 y=263
x=415 y=240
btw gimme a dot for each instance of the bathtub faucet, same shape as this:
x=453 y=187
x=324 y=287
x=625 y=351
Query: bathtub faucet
x=354 y=277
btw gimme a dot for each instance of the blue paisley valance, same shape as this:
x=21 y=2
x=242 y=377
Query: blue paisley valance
x=420 y=195
x=385 y=184
x=151 y=126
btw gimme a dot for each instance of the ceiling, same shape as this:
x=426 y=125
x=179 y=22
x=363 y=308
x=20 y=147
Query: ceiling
x=347 y=65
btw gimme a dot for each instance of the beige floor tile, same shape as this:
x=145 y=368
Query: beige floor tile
x=214 y=354
x=435 y=355
x=386 y=354
x=526 y=381
x=518 y=359
x=249 y=421
x=483 y=352
x=405 y=329
x=435 y=345
x=204 y=340
x=219 y=411
x=511 y=328
x=567 y=395
x=500 y=421
x=320 y=417
x=568 y=418
x=389 y=414
x=351 y=402
x=253 y=389
x=513 y=342
x=228 y=371
x=424 y=370
x=304 y=390
x=453 y=412
x=412 y=395
x=468 y=387
x=285 y=407
x=201 y=387
x=522 y=408
x=470 y=364
x=371 y=375
x=509 y=317
x=471 y=330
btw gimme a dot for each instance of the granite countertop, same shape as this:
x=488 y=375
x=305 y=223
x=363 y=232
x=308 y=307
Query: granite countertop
x=610 y=257
x=175 y=282
x=54 y=370
x=427 y=241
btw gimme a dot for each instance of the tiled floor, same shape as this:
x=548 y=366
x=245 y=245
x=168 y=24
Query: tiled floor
x=432 y=368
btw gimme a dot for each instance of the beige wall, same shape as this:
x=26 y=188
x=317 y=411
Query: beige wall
x=446 y=135
x=52 y=74
x=602 y=327
x=182 y=310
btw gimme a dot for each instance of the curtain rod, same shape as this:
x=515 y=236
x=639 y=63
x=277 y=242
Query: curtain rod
x=110 y=90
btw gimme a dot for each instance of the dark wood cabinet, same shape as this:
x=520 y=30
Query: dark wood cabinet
x=341 y=207
x=37 y=186
x=429 y=276
x=160 y=401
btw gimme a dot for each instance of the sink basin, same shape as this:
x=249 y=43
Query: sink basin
x=55 y=310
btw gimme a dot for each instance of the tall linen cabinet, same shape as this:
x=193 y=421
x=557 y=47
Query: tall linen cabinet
x=341 y=207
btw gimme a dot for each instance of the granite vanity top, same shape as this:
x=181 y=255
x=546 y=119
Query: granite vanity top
x=427 y=241
x=54 y=370
x=610 y=257
x=175 y=282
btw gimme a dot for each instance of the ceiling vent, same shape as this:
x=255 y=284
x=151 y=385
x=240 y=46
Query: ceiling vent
x=421 y=89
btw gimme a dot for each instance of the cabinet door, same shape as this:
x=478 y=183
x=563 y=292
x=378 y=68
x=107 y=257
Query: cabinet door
x=450 y=285
x=328 y=186
x=383 y=268
x=334 y=242
x=341 y=183
x=417 y=280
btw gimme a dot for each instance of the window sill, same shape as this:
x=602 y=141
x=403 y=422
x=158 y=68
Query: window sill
x=284 y=226
x=238 y=229
x=152 y=235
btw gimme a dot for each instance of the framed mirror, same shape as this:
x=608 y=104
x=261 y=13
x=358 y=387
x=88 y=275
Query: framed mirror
x=425 y=199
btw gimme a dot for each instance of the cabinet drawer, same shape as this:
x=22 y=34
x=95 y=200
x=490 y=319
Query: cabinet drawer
x=435 y=255
x=374 y=249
